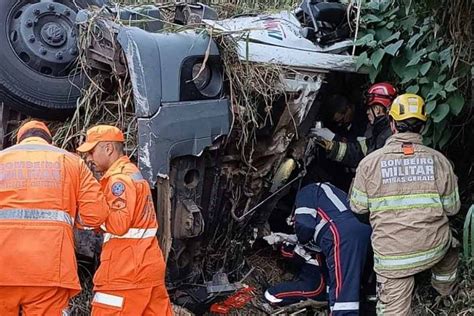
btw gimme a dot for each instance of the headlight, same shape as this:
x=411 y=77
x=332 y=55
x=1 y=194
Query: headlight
x=201 y=76
x=201 y=80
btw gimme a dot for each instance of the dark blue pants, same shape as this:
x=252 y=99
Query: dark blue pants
x=345 y=245
x=308 y=285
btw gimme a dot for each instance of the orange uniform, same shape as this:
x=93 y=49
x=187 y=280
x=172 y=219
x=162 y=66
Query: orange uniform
x=44 y=191
x=131 y=275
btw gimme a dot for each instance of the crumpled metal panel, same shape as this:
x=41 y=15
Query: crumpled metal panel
x=179 y=129
x=154 y=62
x=143 y=58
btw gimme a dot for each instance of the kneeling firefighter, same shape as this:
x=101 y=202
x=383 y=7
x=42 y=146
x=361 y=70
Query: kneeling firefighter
x=324 y=221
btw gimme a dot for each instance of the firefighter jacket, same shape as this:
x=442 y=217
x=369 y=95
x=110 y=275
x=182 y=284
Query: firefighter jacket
x=409 y=190
x=131 y=257
x=352 y=152
x=44 y=191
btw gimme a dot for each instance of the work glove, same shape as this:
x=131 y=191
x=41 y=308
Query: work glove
x=278 y=238
x=322 y=133
x=326 y=144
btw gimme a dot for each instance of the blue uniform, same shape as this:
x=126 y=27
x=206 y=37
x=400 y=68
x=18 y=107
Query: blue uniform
x=309 y=284
x=323 y=218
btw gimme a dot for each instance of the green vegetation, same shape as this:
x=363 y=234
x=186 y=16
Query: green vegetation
x=423 y=46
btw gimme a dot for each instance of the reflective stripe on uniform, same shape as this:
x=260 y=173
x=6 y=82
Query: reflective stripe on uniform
x=108 y=299
x=341 y=151
x=380 y=308
x=359 y=198
x=403 y=202
x=345 y=306
x=451 y=199
x=134 y=233
x=312 y=212
x=271 y=298
x=137 y=176
x=411 y=260
x=449 y=277
x=318 y=228
x=36 y=215
x=333 y=197
x=306 y=211
x=363 y=145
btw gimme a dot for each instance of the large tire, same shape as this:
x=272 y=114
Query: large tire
x=25 y=89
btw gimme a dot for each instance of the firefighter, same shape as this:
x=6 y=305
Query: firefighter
x=131 y=276
x=409 y=190
x=44 y=192
x=323 y=220
x=350 y=152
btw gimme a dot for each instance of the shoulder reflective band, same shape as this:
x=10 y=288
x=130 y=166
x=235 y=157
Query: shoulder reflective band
x=359 y=198
x=411 y=260
x=137 y=176
x=312 y=212
x=341 y=151
x=345 y=306
x=451 y=200
x=36 y=215
x=333 y=197
x=134 y=233
x=448 y=277
x=306 y=211
x=108 y=299
x=401 y=202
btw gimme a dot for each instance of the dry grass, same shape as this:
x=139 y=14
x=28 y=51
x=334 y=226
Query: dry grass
x=107 y=99
x=252 y=91
x=228 y=8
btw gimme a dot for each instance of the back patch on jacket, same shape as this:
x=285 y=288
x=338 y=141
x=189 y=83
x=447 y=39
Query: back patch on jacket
x=403 y=170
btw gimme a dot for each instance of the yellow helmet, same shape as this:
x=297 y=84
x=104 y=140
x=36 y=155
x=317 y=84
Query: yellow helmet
x=407 y=106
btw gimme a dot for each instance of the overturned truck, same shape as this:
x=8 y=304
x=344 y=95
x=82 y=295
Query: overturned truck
x=218 y=159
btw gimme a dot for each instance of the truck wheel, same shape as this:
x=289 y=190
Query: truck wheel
x=37 y=54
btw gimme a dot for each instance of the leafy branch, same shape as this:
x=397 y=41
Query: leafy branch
x=403 y=43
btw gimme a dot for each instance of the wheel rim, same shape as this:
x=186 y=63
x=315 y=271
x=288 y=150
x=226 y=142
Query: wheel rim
x=43 y=36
